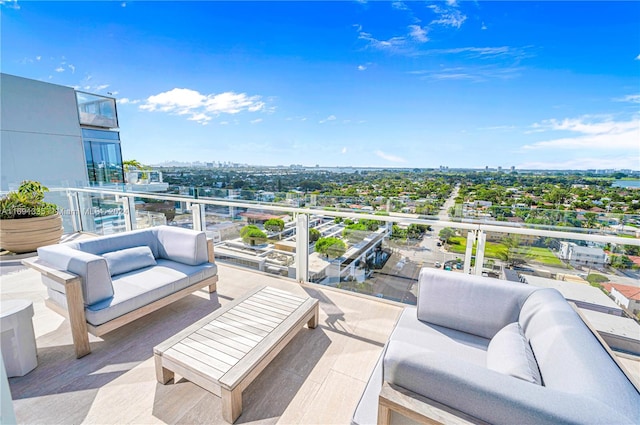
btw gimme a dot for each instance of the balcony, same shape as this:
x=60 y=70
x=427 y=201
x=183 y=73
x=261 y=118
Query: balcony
x=96 y=111
x=320 y=375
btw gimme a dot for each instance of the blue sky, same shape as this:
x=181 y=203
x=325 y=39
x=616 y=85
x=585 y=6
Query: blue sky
x=542 y=85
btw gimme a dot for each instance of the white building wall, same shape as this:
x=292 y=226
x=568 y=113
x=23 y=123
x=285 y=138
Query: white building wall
x=40 y=134
x=619 y=298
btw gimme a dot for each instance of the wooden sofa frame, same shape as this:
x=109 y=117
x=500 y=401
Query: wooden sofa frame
x=75 y=312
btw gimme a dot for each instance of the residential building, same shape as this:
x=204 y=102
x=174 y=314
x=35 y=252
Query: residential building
x=590 y=256
x=57 y=135
x=625 y=295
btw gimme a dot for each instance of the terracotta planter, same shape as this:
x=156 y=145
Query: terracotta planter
x=27 y=234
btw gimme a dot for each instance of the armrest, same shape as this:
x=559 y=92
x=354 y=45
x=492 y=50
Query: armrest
x=75 y=301
x=61 y=276
x=473 y=304
x=182 y=245
x=92 y=270
x=489 y=395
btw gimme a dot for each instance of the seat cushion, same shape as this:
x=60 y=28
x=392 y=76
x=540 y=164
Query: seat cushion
x=141 y=287
x=129 y=259
x=509 y=352
x=439 y=338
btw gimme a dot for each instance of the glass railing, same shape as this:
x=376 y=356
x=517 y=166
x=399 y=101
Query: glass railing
x=97 y=111
x=378 y=253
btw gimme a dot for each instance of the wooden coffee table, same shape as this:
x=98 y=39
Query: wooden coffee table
x=225 y=351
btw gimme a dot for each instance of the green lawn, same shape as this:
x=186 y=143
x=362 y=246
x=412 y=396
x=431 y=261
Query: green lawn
x=458 y=245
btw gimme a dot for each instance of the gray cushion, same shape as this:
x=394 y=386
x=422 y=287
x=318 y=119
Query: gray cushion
x=491 y=396
x=182 y=245
x=110 y=243
x=144 y=286
x=509 y=352
x=567 y=352
x=129 y=259
x=92 y=269
x=473 y=304
x=470 y=347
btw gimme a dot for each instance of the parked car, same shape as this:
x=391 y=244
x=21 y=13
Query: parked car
x=437 y=264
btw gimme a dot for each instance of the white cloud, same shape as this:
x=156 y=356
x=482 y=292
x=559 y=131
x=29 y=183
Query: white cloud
x=638 y=58
x=199 y=107
x=329 y=118
x=123 y=4
x=344 y=150
x=100 y=87
x=392 y=44
x=361 y=67
x=484 y=26
x=389 y=157
x=72 y=68
x=256 y=121
x=604 y=135
x=418 y=33
x=614 y=162
x=448 y=17
x=59 y=69
x=224 y=122
x=126 y=100
x=452 y=2
x=11 y=4
x=633 y=98
x=399 y=5
x=200 y=118
x=38 y=58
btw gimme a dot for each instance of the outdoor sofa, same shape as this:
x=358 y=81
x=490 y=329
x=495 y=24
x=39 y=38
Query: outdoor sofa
x=103 y=283
x=483 y=350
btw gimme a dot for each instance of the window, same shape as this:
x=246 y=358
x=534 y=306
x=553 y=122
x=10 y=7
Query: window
x=103 y=156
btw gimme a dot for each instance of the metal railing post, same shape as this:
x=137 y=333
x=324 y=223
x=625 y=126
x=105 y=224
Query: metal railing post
x=302 y=248
x=129 y=208
x=471 y=238
x=482 y=238
x=74 y=211
x=198 y=215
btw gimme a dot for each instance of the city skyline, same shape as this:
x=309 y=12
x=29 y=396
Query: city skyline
x=535 y=85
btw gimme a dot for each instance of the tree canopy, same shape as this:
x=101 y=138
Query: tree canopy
x=331 y=247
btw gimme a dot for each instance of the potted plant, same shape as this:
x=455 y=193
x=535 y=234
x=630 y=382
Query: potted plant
x=26 y=221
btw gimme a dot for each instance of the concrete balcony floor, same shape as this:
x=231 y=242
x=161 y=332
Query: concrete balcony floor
x=317 y=379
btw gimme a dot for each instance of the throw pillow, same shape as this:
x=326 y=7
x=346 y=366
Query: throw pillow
x=510 y=353
x=129 y=259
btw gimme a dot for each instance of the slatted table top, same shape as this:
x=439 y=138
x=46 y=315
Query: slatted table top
x=224 y=346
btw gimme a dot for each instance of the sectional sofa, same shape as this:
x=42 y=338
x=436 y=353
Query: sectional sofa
x=107 y=282
x=482 y=350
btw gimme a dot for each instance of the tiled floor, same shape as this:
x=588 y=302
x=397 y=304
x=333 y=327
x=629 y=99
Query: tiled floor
x=316 y=379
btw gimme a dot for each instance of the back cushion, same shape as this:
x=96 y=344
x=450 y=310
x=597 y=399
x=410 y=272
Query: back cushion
x=182 y=245
x=99 y=246
x=130 y=259
x=473 y=304
x=569 y=356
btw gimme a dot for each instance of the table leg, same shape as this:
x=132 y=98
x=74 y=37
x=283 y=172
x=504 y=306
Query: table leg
x=231 y=404
x=163 y=375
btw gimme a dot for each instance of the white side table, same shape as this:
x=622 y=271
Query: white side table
x=17 y=338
